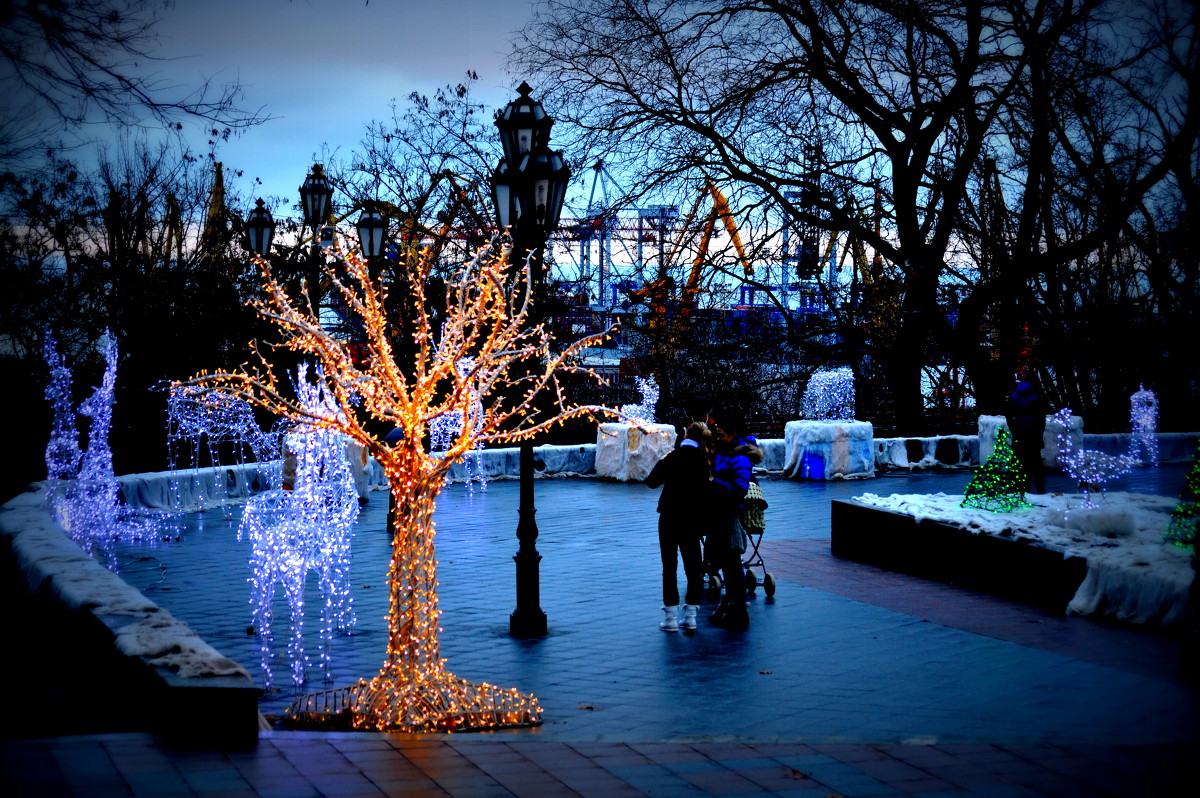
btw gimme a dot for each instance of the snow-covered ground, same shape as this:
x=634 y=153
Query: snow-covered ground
x=1132 y=575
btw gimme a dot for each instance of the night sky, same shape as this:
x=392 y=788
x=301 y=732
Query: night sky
x=324 y=68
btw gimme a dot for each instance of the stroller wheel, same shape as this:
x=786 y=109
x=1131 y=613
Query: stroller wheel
x=751 y=580
x=714 y=582
x=769 y=585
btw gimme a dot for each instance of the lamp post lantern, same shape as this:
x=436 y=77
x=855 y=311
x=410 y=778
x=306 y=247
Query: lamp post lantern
x=372 y=230
x=316 y=197
x=260 y=229
x=528 y=188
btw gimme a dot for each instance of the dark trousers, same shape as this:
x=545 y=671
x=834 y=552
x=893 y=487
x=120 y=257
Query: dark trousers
x=733 y=575
x=677 y=540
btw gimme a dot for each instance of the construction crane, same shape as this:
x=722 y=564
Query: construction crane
x=659 y=294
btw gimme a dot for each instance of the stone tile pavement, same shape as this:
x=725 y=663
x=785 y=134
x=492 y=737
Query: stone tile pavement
x=852 y=681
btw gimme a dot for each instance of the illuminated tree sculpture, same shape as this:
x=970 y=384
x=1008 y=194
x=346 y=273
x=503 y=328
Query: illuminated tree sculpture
x=517 y=375
x=829 y=395
x=1143 y=421
x=1186 y=516
x=999 y=484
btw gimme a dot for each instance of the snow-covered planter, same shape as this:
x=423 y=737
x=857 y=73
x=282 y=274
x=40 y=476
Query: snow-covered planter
x=627 y=452
x=829 y=450
x=990 y=425
x=1131 y=574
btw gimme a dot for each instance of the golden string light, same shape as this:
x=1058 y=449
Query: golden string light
x=512 y=391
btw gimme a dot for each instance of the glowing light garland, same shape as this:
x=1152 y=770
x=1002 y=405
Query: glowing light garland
x=829 y=396
x=643 y=410
x=999 y=484
x=306 y=528
x=1089 y=467
x=514 y=364
x=1143 y=422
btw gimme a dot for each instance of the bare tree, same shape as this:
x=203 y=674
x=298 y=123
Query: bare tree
x=485 y=351
x=67 y=63
x=913 y=96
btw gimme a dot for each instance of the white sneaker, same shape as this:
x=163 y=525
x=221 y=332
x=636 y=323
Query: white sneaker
x=669 y=622
x=688 y=621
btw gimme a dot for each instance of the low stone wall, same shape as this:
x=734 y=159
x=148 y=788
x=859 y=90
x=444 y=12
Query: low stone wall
x=155 y=674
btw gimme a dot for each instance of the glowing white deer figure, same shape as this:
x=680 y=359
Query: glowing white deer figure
x=207 y=421
x=62 y=451
x=307 y=528
x=1089 y=467
x=83 y=494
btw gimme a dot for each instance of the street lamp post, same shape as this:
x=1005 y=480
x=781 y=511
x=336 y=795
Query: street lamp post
x=316 y=194
x=528 y=188
x=372 y=230
x=260 y=229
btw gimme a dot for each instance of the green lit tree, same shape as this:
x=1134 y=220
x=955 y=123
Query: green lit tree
x=1182 y=529
x=999 y=484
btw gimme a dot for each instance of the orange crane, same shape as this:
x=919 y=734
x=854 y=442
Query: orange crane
x=660 y=292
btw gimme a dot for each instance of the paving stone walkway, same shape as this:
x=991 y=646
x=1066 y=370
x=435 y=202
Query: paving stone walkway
x=852 y=681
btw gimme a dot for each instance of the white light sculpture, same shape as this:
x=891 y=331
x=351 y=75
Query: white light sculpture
x=62 y=451
x=829 y=396
x=205 y=422
x=86 y=503
x=643 y=410
x=444 y=429
x=307 y=528
x=1089 y=467
x=1143 y=420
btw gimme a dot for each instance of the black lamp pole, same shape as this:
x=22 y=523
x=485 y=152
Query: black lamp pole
x=528 y=187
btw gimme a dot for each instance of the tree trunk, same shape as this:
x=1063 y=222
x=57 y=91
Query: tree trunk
x=414 y=691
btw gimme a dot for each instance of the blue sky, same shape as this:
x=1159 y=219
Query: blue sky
x=326 y=67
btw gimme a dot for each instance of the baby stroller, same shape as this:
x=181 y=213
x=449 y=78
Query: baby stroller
x=754 y=521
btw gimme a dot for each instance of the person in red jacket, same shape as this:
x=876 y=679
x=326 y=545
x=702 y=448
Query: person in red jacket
x=684 y=475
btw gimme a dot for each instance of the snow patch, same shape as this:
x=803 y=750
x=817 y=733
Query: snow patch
x=171 y=644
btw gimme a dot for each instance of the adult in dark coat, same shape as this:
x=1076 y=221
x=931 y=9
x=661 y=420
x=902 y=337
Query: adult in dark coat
x=683 y=514
x=1026 y=415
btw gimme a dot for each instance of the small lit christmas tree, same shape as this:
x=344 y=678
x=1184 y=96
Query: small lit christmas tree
x=999 y=484
x=1184 y=519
